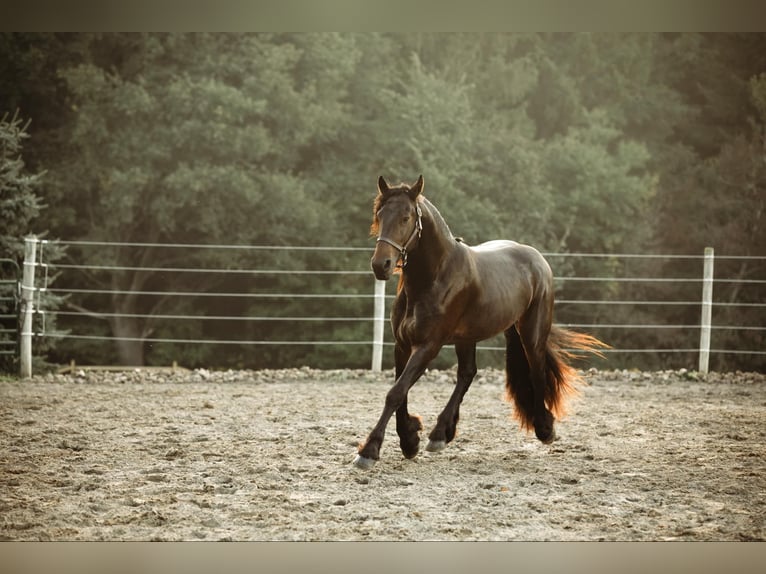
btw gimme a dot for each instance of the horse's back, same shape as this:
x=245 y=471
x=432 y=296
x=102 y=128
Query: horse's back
x=495 y=246
x=521 y=256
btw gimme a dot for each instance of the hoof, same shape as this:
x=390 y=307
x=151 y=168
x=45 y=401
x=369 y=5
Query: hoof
x=549 y=438
x=363 y=463
x=436 y=445
x=409 y=455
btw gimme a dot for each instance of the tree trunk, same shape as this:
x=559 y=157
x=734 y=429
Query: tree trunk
x=131 y=350
x=126 y=327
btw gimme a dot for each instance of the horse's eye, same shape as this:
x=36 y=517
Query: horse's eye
x=406 y=219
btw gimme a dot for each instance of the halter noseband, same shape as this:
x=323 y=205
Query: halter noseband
x=402 y=249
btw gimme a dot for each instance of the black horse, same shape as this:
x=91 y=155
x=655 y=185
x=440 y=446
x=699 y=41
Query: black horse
x=450 y=293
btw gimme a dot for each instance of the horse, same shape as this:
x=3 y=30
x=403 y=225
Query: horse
x=450 y=293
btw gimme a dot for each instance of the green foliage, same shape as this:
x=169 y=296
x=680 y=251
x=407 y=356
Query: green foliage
x=19 y=202
x=599 y=177
x=570 y=142
x=20 y=205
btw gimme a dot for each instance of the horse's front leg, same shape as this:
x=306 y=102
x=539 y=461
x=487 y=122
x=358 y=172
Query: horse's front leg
x=396 y=399
x=408 y=426
x=446 y=424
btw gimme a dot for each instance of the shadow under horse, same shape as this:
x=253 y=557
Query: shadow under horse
x=451 y=293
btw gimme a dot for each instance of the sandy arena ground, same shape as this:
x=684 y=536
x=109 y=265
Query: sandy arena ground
x=267 y=455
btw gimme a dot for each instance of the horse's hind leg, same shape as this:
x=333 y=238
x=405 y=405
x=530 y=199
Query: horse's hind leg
x=518 y=383
x=534 y=329
x=446 y=425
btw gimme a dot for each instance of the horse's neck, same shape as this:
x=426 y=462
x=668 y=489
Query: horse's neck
x=435 y=244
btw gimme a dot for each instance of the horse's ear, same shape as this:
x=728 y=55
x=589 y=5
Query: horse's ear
x=382 y=185
x=417 y=188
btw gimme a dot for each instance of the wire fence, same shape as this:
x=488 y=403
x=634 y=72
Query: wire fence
x=351 y=289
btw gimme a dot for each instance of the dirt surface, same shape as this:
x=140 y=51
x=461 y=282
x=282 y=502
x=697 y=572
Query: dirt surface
x=267 y=455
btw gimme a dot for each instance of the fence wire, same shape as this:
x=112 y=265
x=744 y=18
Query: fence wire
x=79 y=267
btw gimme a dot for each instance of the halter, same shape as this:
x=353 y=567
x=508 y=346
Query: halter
x=402 y=249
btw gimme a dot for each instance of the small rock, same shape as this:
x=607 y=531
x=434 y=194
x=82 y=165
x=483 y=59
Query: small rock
x=130 y=501
x=173 y=454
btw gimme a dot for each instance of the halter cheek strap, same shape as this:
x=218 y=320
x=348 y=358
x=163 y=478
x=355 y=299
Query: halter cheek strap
x=402 y=249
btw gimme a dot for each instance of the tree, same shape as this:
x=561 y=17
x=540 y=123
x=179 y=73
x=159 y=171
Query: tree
x=187 y=139
x=714 y=81
x=19 y=202
x=19 y=206
x=574 y=142
x=735 y=181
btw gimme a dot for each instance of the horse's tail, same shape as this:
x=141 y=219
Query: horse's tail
x=561 y=378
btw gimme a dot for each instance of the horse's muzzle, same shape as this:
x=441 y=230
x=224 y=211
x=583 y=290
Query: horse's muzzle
x=384 y=260
x=383 y=268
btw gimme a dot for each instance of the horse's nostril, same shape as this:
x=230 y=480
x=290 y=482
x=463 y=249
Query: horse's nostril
x=383 y=268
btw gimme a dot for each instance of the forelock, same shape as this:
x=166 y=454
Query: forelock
x=381 y=199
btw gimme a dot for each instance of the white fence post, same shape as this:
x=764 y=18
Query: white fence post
x=28 y=304
x=378 y=325
x=707 y=310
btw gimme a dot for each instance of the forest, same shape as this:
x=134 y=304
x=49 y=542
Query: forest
x=608 y=143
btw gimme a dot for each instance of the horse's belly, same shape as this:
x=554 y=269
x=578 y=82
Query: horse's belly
x=482 y=323
x=488 y=317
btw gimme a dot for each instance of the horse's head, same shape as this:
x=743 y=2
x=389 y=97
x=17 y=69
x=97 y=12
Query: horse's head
x=397 y=225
